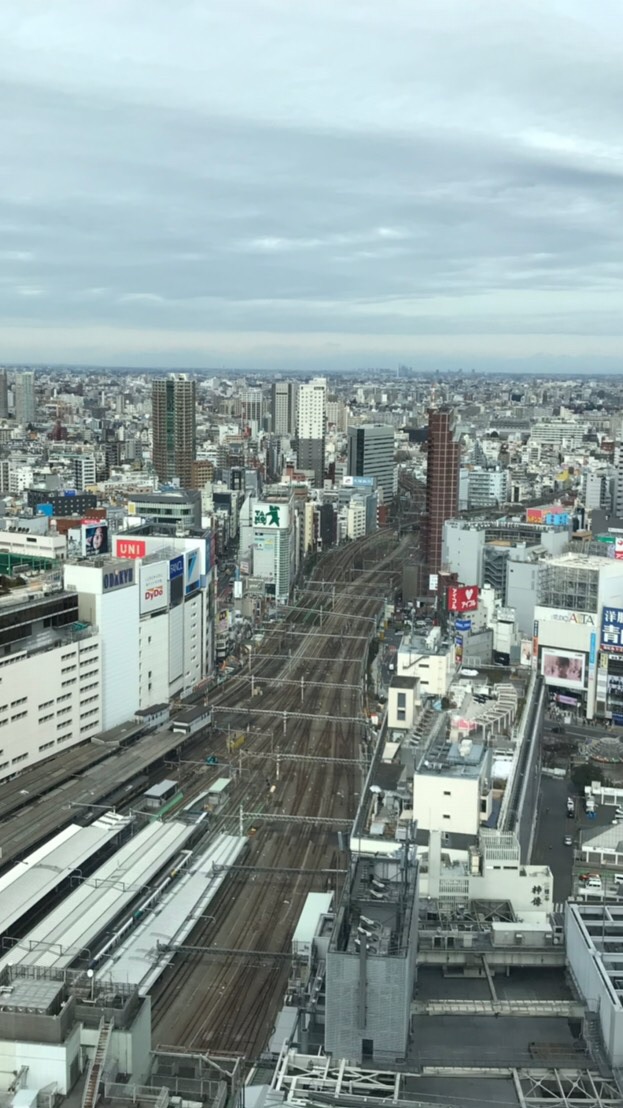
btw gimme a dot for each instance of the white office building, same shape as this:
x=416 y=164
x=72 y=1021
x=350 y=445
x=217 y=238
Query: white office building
x=311 y=426
x=268 y=542
x=24 y=397
x=50 y=680
x=84 y=471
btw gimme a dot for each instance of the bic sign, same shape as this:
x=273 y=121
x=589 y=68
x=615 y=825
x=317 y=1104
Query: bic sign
x=131 y=548
x=269 y=518
x=464 y=599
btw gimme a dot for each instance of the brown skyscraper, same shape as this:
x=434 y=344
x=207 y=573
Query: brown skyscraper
x=173 y=422
x=442 y=482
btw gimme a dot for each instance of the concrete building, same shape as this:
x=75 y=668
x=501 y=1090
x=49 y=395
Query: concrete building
x=269 y=540
x=283 y=408
x=356 y=518
x=49 y=546
x=108 y=598
x=371 y=454
x=84 y=471
x=428 y=658
x=169 y=509
x=442 y=483
x=173 y=423
x=452 y=787
x=50 y=670
x=24 y=397
x=482 y=488
x=371 y=960
x=578 y=595
x=311 y=427
x=594 y=957
x=4 y=395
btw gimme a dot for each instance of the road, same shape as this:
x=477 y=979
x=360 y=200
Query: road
x=552 y=826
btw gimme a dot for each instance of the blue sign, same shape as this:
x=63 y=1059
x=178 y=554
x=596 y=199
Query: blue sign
x=463 y=624
x=176 y=567
x=557 y=519
x=45 y=510
x=612 y=630
x=593 y=651
x=70 y=492
x=458 y=640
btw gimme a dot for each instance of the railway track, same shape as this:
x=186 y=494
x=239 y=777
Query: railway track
x=226 y=1004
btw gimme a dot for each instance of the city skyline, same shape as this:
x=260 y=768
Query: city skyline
x=331 y=188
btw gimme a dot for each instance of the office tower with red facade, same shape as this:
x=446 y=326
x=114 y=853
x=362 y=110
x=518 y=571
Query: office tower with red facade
x=442 y=482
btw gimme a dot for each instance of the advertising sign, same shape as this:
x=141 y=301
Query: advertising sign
x=618 y=549
x=564 y=668
x=154 y=593
x=270 y=515
x=193 y=571
x=433 y=582
x=565 y=615
x=463 y=624
x=94 y=537
x=130 y=548
x=525 y=656
x=463 y=598
x=554 y=516
x=176 y=567
x=357 y=482
x=612 y=630
x=117 y=577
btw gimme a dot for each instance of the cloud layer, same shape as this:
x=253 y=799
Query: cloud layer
x=273 y=183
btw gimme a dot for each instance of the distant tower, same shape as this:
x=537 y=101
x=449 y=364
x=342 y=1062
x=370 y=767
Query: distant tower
x=371 y=454
x=442 y=482
x=25 y=397
x=311 y=421
x=4 y=395
x=173 y=421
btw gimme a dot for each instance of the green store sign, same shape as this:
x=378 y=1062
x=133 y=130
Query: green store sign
x=269 y=518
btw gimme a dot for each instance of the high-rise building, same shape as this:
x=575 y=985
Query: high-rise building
x=371 y=454
x=310 y=426
x=4 y=395
x=25 y=397
x=283 y=407
x=173 y=419
x=84 y=472
x=252 y=405
x=442 y=482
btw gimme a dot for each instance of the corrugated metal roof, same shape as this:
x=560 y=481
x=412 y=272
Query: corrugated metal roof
x=174 y=916
x=316 y=905
x=74 y=924
x=41 y=872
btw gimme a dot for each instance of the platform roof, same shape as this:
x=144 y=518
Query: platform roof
x=136 y=960
x=28 y=882
x=73 y=926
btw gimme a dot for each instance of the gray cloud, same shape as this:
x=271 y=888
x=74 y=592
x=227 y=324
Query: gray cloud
x=262 y=182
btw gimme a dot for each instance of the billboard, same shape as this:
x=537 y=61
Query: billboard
x=463 y=624
x=463 y=598
x=270 y=515
x=612 y=630
x=116 y=577
x=553 y=516
x=565 y=615
x=525 y=656
x=176 y=567
x=564 y=668
x=93 y=537
x=357 y=482
x=130 y=548
x=618 y=549
x=192 y=571
x=154 y=594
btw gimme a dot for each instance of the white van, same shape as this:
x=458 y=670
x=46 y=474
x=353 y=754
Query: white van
x=594 y=883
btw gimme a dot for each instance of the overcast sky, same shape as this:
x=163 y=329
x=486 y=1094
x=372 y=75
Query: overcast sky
x=312 y=183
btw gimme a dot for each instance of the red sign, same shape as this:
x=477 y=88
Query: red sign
x=131 y=548
x=154 y=593
x=463 y=599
